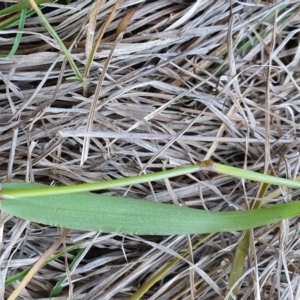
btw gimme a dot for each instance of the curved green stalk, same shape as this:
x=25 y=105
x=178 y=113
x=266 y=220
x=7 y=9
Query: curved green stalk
x=19 y=6
x=57 y=39
x=20 y=275
x=19 y=34
x=100 y=185
x=203 y=166
x=255 y=176
x=57 y=289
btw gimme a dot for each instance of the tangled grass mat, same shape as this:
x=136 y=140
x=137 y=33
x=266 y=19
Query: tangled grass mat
x=119 y=88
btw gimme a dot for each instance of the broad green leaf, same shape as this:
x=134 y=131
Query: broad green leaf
x=93 y=212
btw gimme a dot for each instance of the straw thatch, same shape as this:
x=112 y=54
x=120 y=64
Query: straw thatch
x=185 y=81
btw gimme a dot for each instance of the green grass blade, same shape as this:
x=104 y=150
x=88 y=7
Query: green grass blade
x=19 y=34
x=241 y=251
x=23 y=273
x=57 y=39
x=255 y=176
x=19 y=6
x=203 y=166
x=12 y=21
x=94 y=212
x=42 y=191
x=237 y=266
x=56 y=291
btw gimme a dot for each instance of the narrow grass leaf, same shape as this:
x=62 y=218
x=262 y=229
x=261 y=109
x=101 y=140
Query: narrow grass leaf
x=109 y=184
x=19 y=34
x=57 y=39
x=56 y=291
x=255 y=176
x=13 y=20
x=19 y=6
x=22 y=274
x=100 y=185
x=96 y=45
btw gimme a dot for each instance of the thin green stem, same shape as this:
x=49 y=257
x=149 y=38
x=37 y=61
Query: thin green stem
x=100 y=185
x=21 y=274
x=19 y=34
x=19 y=6
x=250 y=175
x=57 y=39
x=56 y=291
x=84 y=187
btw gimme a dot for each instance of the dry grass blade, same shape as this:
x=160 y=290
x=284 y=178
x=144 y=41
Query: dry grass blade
x=90 y=32
x=86 y=143
x=38 y=265
x=125 y=21
x=187 y=82
x=99 y=38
